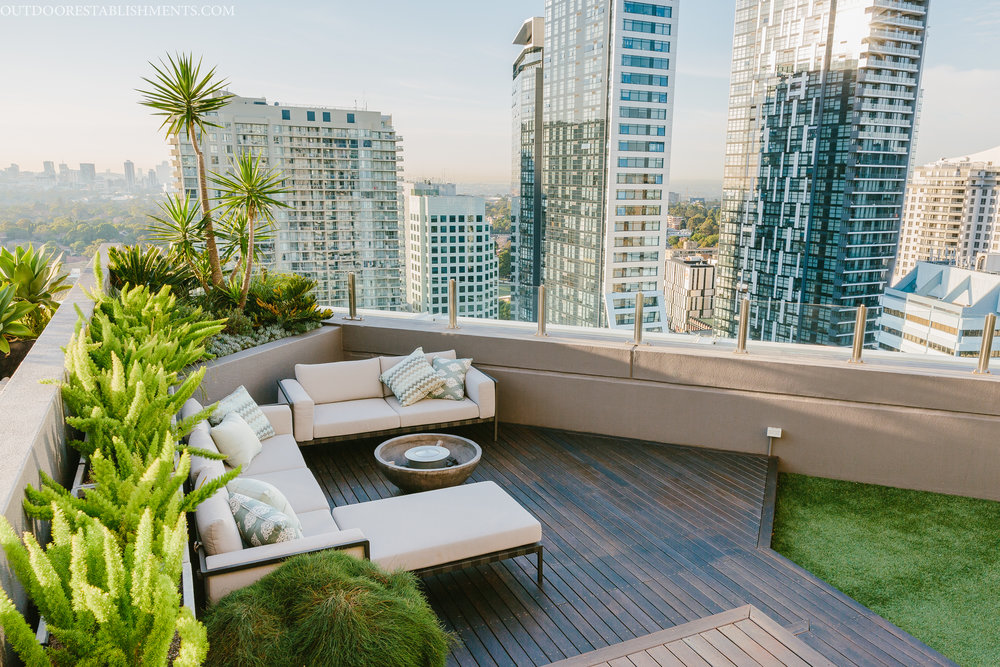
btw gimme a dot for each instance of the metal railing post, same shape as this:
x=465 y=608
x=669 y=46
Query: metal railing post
x=637 y=334
x=352 y=298
x=986 y=347
x=541 y=311
x=452 y=304
x=860 y=324
x=744 y=327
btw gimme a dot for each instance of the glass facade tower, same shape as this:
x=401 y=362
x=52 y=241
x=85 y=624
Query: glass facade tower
x=823 y=99
x=608 y=107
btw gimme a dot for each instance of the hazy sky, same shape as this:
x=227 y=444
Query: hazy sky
x=441 y=68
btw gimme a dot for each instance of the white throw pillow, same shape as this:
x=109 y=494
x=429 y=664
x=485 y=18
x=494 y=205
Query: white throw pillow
x=236 y=440
x=265 y=493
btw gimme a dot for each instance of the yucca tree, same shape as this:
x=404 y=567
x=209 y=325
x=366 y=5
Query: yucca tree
x=184 y=98
x=251 y=190
x=234 y=236
x=37 y=278
x=181 y=227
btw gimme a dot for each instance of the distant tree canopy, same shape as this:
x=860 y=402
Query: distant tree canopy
x=75 y=226
x=703 y=221
x=503 y=259
x=498 y=213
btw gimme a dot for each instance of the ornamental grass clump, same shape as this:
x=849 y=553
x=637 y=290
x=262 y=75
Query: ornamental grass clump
x=327 y=608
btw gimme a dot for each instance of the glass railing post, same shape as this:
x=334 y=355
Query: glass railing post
x=637 y=334
x=452 y=305
x=986 y=347
x=352 y=298
x=741 y=333
x=541 y=311
x=860 y=324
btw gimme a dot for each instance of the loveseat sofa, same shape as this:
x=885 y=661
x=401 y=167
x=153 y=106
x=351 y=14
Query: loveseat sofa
x=345 y=399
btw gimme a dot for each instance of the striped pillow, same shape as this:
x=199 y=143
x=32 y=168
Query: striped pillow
x=412 y=378
x=242 y=404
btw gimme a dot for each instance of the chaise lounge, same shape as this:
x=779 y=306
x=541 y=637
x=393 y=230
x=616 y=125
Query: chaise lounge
x=344 y=400
x=426 y=533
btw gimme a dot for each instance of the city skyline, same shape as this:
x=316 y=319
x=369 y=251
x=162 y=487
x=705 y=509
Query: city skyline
x=452 y=112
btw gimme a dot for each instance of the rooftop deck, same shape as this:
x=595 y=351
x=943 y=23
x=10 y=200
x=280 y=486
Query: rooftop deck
x=639 y=538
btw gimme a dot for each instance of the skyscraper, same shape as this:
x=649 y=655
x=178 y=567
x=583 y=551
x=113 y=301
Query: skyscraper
x=448 y=237
x=823 y=95
x=952 y=212
x=130 y=175
x=527 y=210
x=341 y=166
x=88 y=172
x=608 y=107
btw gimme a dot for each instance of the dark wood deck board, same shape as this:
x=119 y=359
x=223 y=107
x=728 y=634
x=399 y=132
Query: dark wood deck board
x=639 y=537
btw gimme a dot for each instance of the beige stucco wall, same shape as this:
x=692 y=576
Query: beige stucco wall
x=895 y=420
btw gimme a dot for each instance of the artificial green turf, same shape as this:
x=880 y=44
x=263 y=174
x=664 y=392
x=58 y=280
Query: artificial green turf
x=929 y=563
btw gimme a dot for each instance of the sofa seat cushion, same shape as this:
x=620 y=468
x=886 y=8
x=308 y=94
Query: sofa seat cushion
x=436 y=527
x=434 y=411
x=278 y=453
x=317 y=522
x=216 y=525
x=299 y=487
x=362 y=416
x=340 y=380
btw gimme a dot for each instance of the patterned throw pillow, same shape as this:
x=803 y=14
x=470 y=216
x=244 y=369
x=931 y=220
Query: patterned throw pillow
x=453 y=371
x=241 y=403
x=412 y=378
x=267 y=494
x=259 y=523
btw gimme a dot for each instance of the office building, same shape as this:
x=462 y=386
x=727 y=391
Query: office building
x=951 y=213
x=88 y=172
x=448 y=237
x=608 y=108
x=939 y=309
x=821 y=116
x=49 y=168
x=689 y=291
x=129 y=175
x=526 y=209
x=341 y=166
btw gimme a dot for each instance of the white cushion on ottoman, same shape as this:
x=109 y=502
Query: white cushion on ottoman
x=436 y=527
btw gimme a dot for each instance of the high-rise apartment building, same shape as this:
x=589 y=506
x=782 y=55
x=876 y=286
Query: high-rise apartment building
x=951 y=212
x=939 y=309
x=88 y=172
x=608 y=107
x=130 y=175
x=823 y=97
x=689 y=291
x=527 y=209
x=448 y=237
x=342 y=168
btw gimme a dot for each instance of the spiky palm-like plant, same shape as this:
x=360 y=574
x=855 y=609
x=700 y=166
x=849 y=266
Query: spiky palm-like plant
x=184 y=98
x=252 y=191
x=182 y=227
x=234 y=233
x=37 y=278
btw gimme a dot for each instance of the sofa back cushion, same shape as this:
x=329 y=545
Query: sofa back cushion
x=216 y=525
x=386 y=363
x=340 y=380
x=200 y=438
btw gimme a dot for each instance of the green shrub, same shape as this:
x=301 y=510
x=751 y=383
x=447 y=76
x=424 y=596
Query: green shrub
x=37 y=279
x=287 y=300
x=147 y=266
x=327 y=608
x=12 y=314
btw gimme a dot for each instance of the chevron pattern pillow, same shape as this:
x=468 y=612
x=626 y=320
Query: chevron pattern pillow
x=242 y=404
x=453 y=371
x=412 y=378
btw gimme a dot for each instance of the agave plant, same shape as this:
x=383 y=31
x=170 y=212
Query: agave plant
x=12 y=312
x=36 y=279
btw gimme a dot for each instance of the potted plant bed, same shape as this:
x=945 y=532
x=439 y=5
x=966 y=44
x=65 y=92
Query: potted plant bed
x=18 y=351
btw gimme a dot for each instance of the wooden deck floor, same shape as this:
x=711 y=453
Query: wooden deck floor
x=639 y=537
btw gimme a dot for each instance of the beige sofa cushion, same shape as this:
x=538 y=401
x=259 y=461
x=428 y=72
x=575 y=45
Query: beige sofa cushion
x=436 y=527
x=317 y=522
x=434 y=411
x=363 y=416
x=200 y=438
x=385 y=363
x=278 y=453
x=299 y=487
x=340 y=380
x=216 y=525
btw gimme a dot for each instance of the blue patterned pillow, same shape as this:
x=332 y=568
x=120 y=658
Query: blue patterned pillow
x=453 y=371
x=259 y=523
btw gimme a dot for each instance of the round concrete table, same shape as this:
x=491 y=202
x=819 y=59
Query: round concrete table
x=391 y=459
